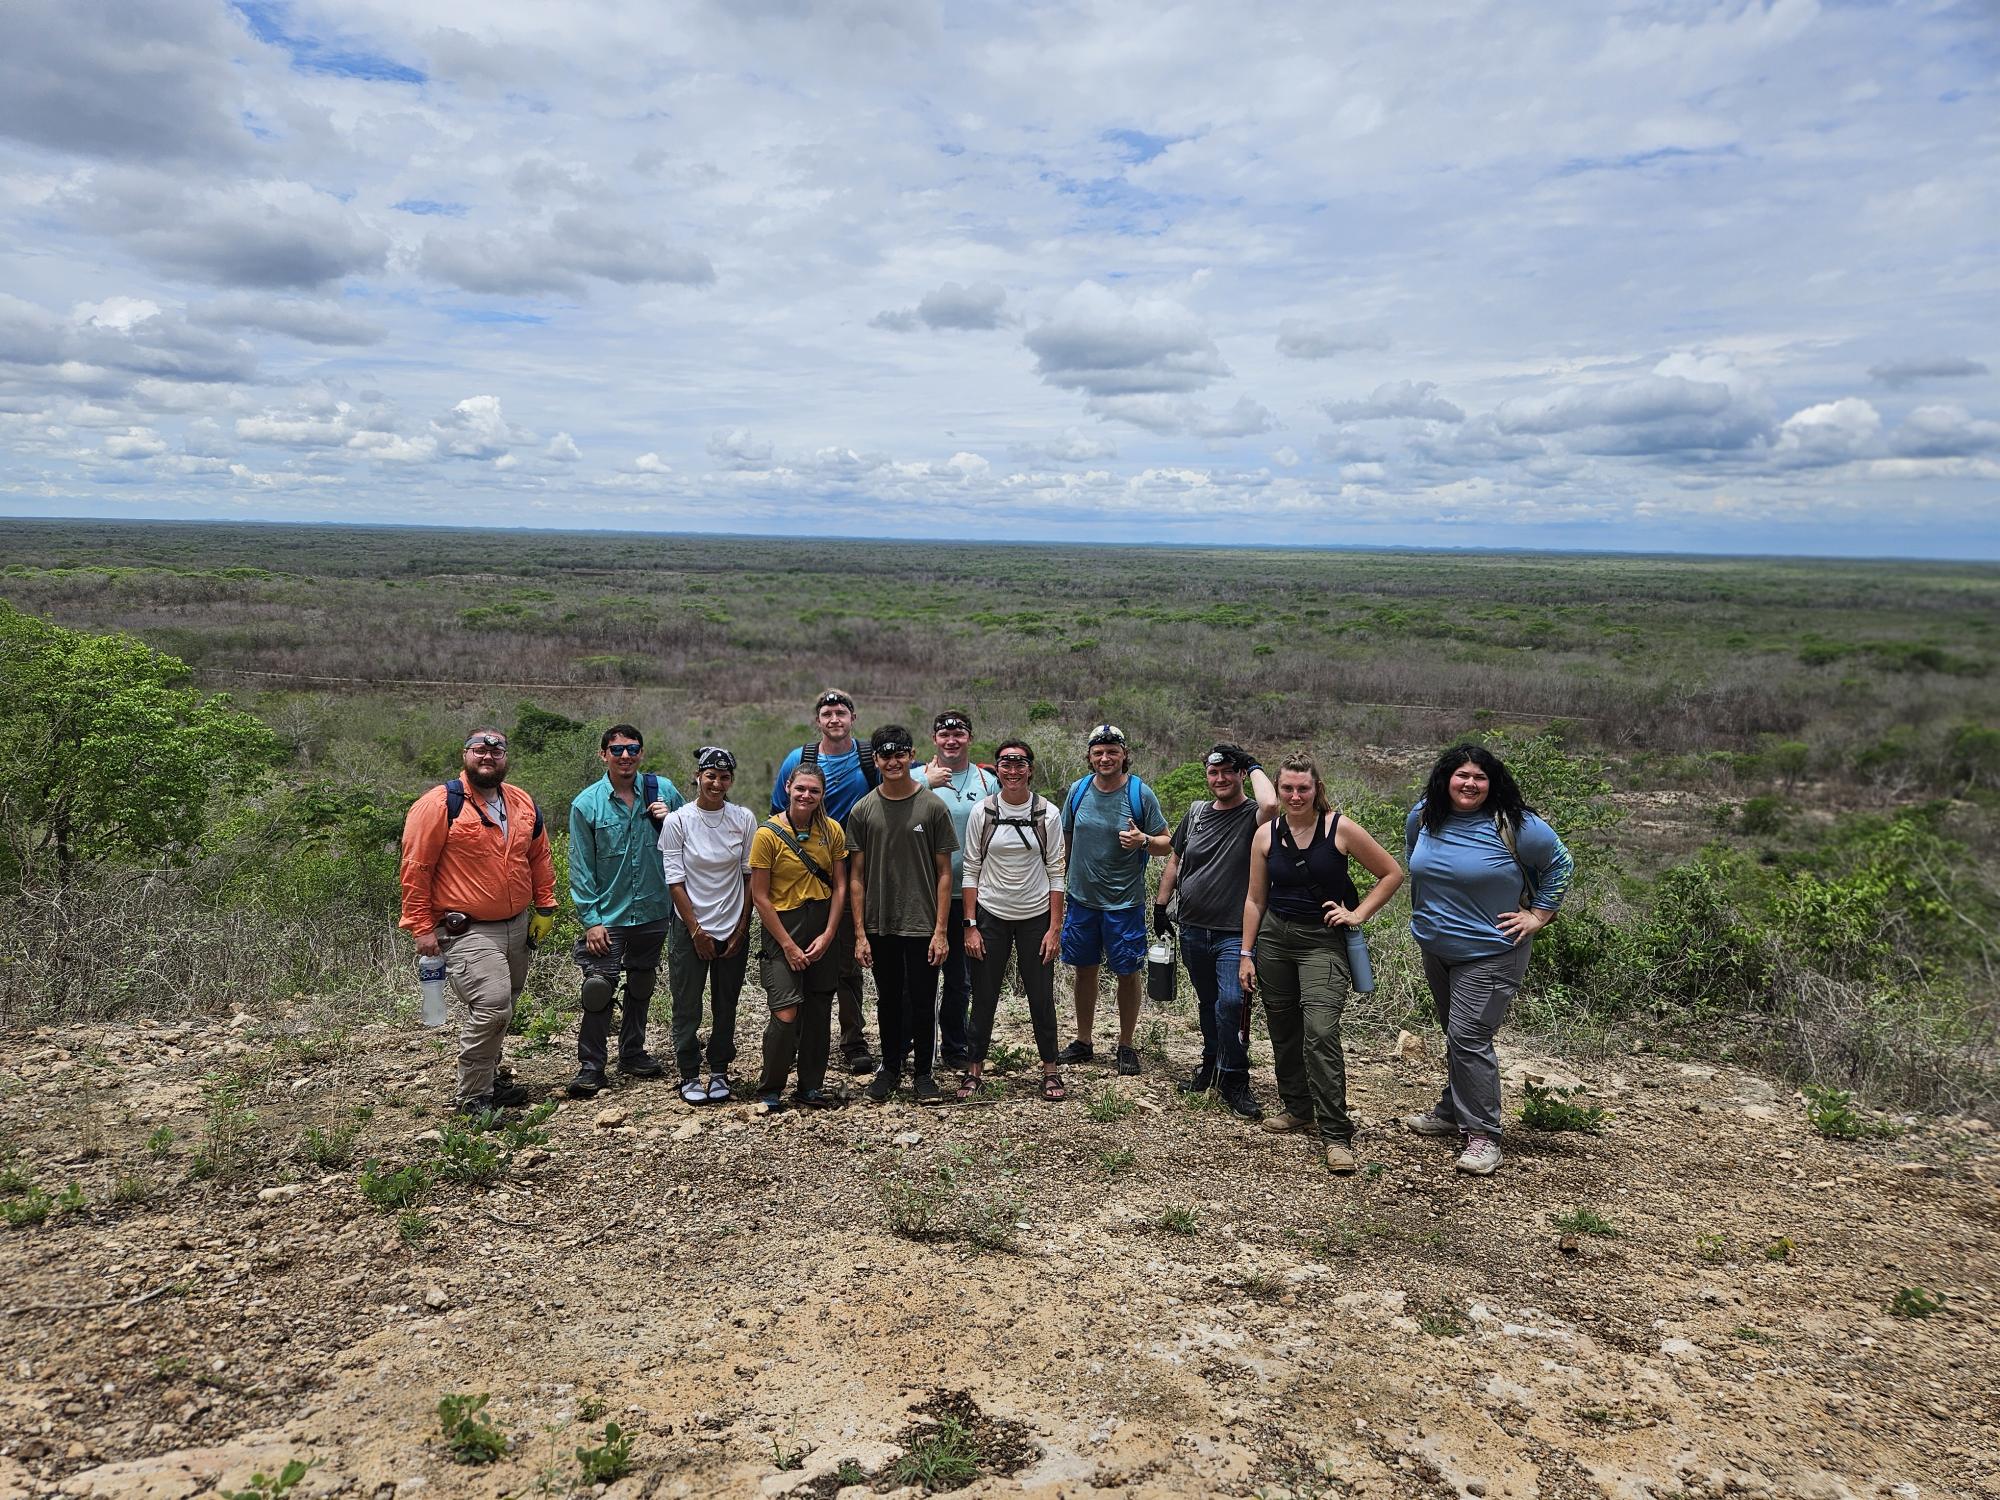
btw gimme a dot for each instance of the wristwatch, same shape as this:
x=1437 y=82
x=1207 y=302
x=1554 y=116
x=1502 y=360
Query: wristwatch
x=972 y=921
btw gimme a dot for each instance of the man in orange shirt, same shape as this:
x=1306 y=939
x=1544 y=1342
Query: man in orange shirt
x=478 y=887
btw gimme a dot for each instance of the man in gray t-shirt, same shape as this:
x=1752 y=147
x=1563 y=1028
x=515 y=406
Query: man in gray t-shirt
x=1210 y=870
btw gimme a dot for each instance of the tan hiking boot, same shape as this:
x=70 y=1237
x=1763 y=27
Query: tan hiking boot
x=1482 y=1155
x=1339 y=1158
x=1283 y=1123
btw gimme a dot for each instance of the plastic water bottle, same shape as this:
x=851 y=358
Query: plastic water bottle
x=430 y=979
x=1358 y=966
x=1160 y=973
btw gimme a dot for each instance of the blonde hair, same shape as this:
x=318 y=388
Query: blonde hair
x=1303 y=764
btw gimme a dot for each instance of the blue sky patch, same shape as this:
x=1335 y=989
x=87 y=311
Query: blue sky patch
x=430 y=206
x=269 y=21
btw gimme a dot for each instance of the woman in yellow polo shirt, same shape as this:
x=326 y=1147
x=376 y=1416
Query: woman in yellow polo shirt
x=798 y=883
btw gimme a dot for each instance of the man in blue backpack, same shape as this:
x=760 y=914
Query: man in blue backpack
x=1112 y=824
x=620 y=894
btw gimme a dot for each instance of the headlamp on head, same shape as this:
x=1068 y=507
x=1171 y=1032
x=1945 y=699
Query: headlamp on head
x=1106 y=734
x=834 y=695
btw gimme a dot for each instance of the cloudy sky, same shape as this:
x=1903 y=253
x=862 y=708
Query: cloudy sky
x=1715 y=277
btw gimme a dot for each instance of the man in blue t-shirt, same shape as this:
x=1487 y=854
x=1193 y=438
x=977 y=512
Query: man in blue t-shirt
x=850 y=775
x=1105 y=913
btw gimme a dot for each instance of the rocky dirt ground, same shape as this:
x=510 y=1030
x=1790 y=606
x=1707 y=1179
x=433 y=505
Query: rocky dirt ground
x=1126 y=1293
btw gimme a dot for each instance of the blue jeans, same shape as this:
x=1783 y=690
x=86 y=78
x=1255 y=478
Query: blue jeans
x=1211 y=954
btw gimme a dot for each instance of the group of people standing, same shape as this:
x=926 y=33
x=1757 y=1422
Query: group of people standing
x=940 y=876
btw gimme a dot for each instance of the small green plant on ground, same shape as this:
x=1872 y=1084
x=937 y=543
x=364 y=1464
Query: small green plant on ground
x=467 y=1155
x=1552 y=1109
x=991 y=1223
x=849 y=1473
x=1780 y=1249
x=469 y=1433
x=15 y=1180
x=918 y=1208
x=1831 y=1112
x=1153 y=1042
x=413 y=1228
x=330 y=1149
x=1585 y=1221
x=71 y=1200
x=160 y=1144
x=30 y=1207
x=1916 y=1302
x=1200 y=1101
x=590 y=1408
x=1713 y=1247
x=788 y=1455
x=398 y=1187
x=1111 y=1163
x=527 y=1131
x=133 y=1190
x=1751 y=1335
x=1107 y=1104
x=611 y=1459
x=1440 y=1325
x=264 y=1486
x=1006 y=1057
x=1179 y=1220
x=226 y=1135
x=539 y=1020
x=948 y=1459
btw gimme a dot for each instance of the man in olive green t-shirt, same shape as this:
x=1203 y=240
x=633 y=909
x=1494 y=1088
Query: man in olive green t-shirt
x=900 y=841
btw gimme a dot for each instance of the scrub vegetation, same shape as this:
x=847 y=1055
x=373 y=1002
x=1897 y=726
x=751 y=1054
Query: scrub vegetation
x=1780 y=778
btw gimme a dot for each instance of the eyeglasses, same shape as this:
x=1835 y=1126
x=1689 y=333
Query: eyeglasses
x=1012 y=761
x=487 y=742
x=624 y=749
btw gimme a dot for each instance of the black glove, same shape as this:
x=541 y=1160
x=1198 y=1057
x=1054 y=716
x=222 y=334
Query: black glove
x=1242 y=758
x=1163 y=925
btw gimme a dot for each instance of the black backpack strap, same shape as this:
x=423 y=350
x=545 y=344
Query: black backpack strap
x=454 y=802
x=869 y=774
x=792 y=842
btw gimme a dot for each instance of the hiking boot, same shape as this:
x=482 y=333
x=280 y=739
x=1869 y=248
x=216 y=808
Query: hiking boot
x=1243 y=1103
x=1284 y=1122
x=641 y=1065
x=508 y=1095
x=1200 y=1081
x=927 y=1090
x=476 y=1106
x=587 y=1083
x=1078 y=1051
x=1339 y=1158
x=860 y=1062
x=1128 y=1061
x=881 y=1086
x=1482 y=1155
x=1430 y=1122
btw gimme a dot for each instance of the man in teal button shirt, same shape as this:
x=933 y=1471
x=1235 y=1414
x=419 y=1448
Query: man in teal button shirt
x=620 y=893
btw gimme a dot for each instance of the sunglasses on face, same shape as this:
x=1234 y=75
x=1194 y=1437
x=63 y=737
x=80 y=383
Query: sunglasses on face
x=624 y=749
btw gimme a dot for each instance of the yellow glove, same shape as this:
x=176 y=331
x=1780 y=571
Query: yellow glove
x=539 y=927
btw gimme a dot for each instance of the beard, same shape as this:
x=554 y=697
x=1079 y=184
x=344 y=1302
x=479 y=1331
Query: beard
x=486 y=781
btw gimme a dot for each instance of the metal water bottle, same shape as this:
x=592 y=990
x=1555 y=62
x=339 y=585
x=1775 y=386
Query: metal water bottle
x=1358 y=967
x=430 y=980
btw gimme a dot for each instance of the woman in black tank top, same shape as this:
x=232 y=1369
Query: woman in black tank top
x=1302 y=901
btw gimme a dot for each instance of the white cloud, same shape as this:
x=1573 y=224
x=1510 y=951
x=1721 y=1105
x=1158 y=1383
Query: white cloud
x=1910 y=370
x=134 y=442
x=1945 y=431
x=1830 y=432
x=476 y=428
x=1397 y=398
x=1105 y=345
x=310 y=321
x=557 y=256
x=1301 y=338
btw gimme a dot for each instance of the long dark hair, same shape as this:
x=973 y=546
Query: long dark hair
x=1503 y=793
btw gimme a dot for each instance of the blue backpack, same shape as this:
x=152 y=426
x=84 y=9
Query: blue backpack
x=1135 y=792
x=454 y=804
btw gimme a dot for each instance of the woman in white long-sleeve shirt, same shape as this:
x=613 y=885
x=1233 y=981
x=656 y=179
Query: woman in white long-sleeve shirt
x=705 y=852
x=1013 y=902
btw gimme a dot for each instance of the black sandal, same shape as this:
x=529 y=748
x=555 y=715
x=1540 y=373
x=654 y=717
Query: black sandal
x=968 y=1085
x=1053 y=1089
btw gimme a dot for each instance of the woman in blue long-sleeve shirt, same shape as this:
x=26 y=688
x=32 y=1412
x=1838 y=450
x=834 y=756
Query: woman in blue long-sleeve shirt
x=1486 y=874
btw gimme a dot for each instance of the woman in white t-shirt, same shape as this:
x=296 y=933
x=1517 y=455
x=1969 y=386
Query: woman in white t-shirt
x=705 y=851
x=1013 y=904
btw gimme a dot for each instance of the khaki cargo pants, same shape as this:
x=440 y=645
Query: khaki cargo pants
x=488 y=967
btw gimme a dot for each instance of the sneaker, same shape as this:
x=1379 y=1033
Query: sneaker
x=881 y=1086
x=772 y=1104
x=587 y=1083
x=1482 y=1155
x=1078 y=1051
x=817 y=1099
x=927 y=1090
x=1242 y=1102
x=1201 y=1081
x=1339 y=1158
x=1430 y=1122
x=640 y=1065
x=1128 y=1061
x=1284 y=1122
x=694 y=1091
x=508 y=1095
x=718 y=1088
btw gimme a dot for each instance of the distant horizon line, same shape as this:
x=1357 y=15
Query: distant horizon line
x=976 y=541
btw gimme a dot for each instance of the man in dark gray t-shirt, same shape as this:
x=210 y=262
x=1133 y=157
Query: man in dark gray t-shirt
x=1210 y=870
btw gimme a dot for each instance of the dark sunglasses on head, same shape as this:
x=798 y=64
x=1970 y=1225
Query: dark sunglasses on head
x=486 y=742
x=624 y=749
